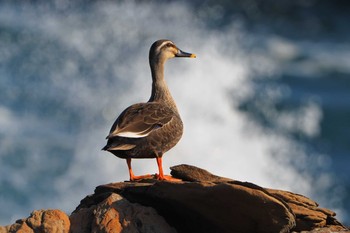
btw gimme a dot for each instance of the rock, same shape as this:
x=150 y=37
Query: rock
x=115 y=214
x=308 y=215
x=41 y=221
x=82 y=221
x=209 y=207
x=204 y=202
x=201 y=202
x=17 y=227
x=328 y=230
x=191 y=173
x=206 y=206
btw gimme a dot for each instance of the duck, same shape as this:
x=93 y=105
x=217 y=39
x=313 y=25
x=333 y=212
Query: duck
x=148 y=130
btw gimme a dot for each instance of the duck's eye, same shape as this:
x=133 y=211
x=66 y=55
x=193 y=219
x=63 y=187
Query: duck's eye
x=169 y=45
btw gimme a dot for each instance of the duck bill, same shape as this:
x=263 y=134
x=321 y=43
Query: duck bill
x=184 y=54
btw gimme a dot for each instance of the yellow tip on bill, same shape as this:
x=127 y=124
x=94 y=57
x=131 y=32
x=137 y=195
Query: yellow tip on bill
x=193 y=55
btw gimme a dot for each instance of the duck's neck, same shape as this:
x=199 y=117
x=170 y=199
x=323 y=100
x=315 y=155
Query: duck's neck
x=160 y=90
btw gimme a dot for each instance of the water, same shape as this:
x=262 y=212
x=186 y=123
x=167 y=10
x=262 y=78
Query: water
x=257 y=106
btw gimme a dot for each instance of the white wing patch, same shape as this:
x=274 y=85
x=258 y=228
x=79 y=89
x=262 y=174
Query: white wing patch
x=130 y=134
x=122 y=147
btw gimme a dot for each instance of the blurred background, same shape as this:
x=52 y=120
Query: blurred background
x=267 y=100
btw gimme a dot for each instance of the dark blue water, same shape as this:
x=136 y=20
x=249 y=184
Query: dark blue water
x=267 y=99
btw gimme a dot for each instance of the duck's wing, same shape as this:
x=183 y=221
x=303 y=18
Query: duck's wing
x=139 y=120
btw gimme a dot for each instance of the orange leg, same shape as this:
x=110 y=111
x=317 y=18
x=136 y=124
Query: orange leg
x=131 y=173
x=161 y=175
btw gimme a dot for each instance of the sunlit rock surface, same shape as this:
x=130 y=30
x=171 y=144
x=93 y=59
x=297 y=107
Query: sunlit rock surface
x=41 y=221
x=201 y=202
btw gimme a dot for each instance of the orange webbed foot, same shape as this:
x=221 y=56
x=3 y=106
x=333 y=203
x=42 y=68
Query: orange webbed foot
x=167 y=178
x=137 y=178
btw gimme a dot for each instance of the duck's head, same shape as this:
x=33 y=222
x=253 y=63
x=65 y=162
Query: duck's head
x=161 y=50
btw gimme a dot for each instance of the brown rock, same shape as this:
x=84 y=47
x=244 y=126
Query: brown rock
x=207 y=206
x=209 y=203
x=20 y=227
x=81 y=221
x=115 y=214
x=332 y=229
x=4 y=229
x=42 y=221
x=34 y=220
x=55 y=221
x=191 y=173
x=106 y=216
x=202 y=202
x=308 y=215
